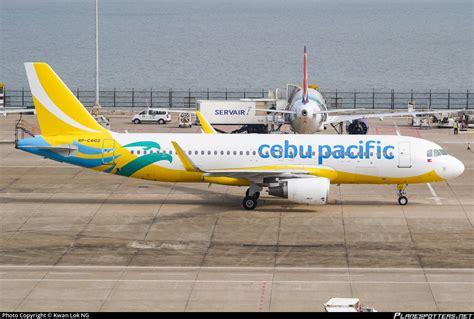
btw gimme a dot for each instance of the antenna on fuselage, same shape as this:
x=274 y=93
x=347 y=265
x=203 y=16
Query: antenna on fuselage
x=305 y=77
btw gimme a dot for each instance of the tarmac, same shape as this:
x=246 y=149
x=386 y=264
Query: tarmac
x=78 y=240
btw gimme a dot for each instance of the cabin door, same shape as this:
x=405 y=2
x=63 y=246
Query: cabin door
x=404 y=156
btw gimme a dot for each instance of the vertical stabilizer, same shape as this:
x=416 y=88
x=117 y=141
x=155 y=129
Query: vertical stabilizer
x=59 y=111
x=305 y=77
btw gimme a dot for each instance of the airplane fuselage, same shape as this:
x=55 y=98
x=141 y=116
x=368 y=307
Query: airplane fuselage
x=340 y=158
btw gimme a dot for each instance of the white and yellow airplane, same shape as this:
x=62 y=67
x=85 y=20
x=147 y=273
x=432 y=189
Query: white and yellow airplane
x=298 y=167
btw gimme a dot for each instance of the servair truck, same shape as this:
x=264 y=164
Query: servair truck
x=250 y=115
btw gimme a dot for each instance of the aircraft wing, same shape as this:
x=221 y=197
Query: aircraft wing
x=5 y=111
x=381 y=116
x=253 y=174
x=318 y=112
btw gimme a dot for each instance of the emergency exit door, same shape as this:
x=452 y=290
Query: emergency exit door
x=404 y=156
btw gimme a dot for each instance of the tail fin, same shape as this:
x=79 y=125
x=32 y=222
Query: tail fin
x=305 y=77
x=59 y=111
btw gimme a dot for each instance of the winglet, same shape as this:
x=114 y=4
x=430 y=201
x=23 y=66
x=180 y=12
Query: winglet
x=185 y=160
x=206 y=127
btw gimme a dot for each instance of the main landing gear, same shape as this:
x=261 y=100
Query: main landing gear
x=402 y=199
x=251 y=196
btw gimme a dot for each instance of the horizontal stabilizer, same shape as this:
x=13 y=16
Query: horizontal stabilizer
x=63 y=149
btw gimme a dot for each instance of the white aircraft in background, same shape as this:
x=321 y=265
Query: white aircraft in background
x=307 y=111
x=297 y=167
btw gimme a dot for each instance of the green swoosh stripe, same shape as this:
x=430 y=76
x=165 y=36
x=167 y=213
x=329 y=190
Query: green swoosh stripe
x=146 y=144
x=142 y=162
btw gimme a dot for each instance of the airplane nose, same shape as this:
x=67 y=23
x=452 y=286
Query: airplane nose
x=305 y=112
x=457 y=167
x=452 y=168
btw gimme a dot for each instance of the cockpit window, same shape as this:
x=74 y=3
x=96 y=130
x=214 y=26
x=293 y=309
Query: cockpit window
x=438 y=152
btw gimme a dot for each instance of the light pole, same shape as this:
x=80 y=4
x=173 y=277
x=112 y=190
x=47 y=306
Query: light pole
x=96 y=104
x=96 y=113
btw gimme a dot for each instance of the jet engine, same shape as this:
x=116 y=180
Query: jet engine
x=311 y=190
x=357 y=127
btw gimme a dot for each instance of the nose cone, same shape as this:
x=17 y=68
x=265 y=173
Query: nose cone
x=451 y=168
x=306 y=112
x=457 y=167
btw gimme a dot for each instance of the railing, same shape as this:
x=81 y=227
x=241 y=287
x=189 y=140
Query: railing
x=23 y=128
x=170 y=98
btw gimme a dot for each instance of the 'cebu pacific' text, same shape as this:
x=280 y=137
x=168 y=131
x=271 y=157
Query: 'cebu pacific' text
x=367 y=149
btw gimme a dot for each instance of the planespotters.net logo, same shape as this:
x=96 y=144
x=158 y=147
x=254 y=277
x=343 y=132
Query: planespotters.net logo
x=399 y=315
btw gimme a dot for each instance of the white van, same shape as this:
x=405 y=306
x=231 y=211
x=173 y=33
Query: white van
x=160 y=116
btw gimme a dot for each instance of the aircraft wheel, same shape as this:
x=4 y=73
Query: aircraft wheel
x=249 y=203
x=402 y=200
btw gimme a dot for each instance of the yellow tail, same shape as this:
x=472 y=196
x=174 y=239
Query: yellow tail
x=59 y=111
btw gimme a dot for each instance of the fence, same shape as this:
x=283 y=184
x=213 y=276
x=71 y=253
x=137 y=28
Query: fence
x=170 y=98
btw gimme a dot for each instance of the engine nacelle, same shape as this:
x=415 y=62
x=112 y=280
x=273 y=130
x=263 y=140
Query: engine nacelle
x=311 y=190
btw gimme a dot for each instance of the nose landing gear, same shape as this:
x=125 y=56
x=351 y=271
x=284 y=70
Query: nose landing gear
x=402 y=199
x=251 y=196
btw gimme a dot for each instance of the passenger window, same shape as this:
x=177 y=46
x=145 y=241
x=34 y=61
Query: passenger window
x=228 y=152
x=208 y=152
x=222 y=152
x=248 y=153
x=142 y=113
x=254 y=153
x=138 y=152
x=429 y=153
x=202 y=152
x=437 y=153
x=241 y=153
x=235 y=152
x=215 y=152
x=131 y=152
x=196 y=152
x=190 y=152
